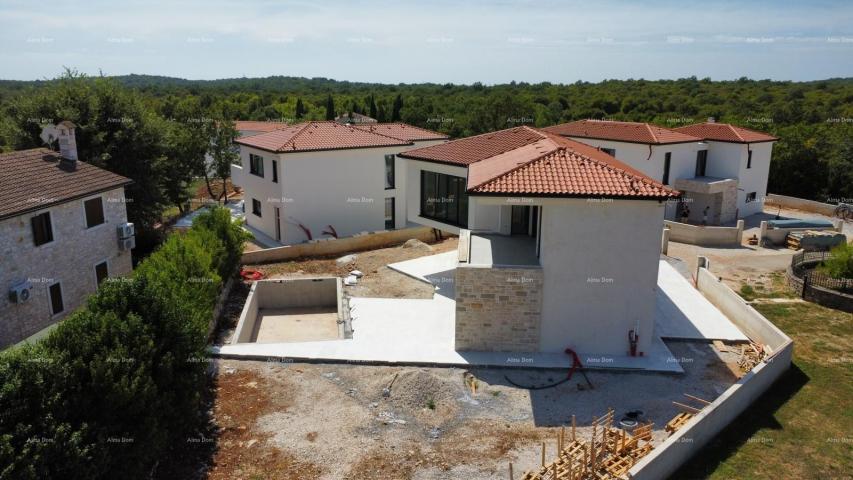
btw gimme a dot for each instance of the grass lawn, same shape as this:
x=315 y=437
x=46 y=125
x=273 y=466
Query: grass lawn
x=802 y=428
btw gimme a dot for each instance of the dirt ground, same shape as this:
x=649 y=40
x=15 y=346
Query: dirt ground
x=305 y=421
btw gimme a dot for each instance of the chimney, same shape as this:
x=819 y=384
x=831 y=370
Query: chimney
x=711 y=120
x=67 y=142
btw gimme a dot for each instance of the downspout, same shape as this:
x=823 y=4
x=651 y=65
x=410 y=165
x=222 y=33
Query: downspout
x=650 y=153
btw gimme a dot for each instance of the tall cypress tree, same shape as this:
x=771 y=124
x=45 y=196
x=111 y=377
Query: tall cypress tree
x=395 y=111
x=330 y=108
x=300 y=108
x=372 y=107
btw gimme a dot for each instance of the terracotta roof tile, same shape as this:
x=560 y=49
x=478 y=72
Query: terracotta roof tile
x=468 y=150
x=256 y=126
x=621 y=132
x=313 y=136
x=527 y=161
x=724 y=132
x=34 y=179
x=402 y=131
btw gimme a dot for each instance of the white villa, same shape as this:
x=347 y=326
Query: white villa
x=323 y=179
x=715 y=165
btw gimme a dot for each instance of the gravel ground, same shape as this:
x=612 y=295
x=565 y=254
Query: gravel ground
x=334 y=422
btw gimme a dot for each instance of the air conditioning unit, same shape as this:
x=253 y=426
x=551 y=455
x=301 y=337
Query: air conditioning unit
x=126 y=230
x=20 y=292
x=127 y=243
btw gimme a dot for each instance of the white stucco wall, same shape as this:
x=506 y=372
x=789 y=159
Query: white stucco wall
x=70 y=259
x=600 y=259
x=341 y=188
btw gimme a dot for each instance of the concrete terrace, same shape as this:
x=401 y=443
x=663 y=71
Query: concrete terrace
x=421 y=331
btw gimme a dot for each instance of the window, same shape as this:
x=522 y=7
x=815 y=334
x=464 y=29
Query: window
x=667 y=160
x=443 y=198
x=102 y=272
x=274 y=171
x=389 y=172
x=94 y=212
x=389 y=214
x=42 y=229
x=609 y=151
x=256 y=207
x=256 y=165
x=749 y=159
x=750 y=197
x=701 y=162
x=54 y=292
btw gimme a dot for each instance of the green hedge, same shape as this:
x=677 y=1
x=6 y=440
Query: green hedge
x=122 y=379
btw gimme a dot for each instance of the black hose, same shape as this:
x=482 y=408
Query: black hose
x=538 y=387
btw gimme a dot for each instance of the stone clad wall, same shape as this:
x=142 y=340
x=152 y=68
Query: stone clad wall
x=70 y=259
x=498 y=309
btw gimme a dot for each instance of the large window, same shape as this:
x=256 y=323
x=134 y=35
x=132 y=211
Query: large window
x=667 y=160
x=389 y=172
x=701 y=162
x=42 y=229
x=94 y=212
x=389 y=213
x=54 y=291
x=443 y=198
x=256 y=165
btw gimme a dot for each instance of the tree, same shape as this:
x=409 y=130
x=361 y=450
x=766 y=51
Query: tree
x=330 y=108
x=222 y=152
x=300 y=108
x=372 y=107
x=395 y=111
x=187 y=146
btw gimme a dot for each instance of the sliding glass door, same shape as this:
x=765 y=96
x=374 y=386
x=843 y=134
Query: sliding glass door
x=443 y=198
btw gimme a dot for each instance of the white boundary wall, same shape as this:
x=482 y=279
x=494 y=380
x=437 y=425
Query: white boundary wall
x=688 y=441
x=800 y=204
x=705 y=236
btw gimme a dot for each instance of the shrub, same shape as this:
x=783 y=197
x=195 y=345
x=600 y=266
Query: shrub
x=840 y=264
x=122 y=379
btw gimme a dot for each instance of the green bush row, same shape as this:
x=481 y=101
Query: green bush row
x=122 y=379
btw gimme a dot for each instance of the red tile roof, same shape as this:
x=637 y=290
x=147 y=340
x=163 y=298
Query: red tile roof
x=34 y=179
x=632 y=132
x=257 y=126
x=314 y=136
x=527 y=161
x=724 y=132
x=402 y=131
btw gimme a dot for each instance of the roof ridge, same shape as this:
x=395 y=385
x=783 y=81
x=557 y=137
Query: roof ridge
x=651 y=132
x=515 y=168
x=293 y=137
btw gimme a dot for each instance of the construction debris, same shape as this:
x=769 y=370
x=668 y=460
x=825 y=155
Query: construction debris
x=751 y=355
x=608 y=454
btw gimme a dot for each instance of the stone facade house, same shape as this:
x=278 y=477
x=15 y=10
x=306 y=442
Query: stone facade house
x=63 y=231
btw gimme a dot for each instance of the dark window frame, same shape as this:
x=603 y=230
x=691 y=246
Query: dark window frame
x=393 y=219
x=44 y=235
x=52 y=299
x=751 y=197
x=257 y=208
x=667 y=163
x=390 y=174
x=459 y=205
x=98 y=279
x=256 y=169
x=701 y=163
x=275 y=171
x=748 y=158
x=103 y=216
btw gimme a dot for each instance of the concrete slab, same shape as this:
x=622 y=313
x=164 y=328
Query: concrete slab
x=503 y=250
x=683 y=313
x=420 y=268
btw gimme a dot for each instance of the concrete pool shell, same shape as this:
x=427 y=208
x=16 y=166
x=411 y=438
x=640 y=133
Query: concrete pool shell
x=294 y=310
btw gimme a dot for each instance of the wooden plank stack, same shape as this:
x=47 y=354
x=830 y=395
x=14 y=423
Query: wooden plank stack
x=609 y=453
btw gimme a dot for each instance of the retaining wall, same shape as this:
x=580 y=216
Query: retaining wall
x=688 y=441
x=800 y=204
x=333 y=246
x=705 y=236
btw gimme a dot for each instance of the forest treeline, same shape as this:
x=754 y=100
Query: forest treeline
x=814 y=120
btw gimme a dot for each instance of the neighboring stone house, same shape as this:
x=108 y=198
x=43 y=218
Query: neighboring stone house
x=63 y=231
x=559 y=242
x=715 y=165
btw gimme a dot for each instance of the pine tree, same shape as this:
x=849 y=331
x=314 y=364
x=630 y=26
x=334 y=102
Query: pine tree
x=330 y=108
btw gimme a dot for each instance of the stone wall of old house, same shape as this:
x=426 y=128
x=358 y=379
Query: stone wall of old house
x=69 y=259
x=498 y=309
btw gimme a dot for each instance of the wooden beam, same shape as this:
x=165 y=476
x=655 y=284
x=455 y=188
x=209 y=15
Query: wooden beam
x=706 y=402
x=687 y=407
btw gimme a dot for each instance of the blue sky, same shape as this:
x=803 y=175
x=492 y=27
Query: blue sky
x=429 y=41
